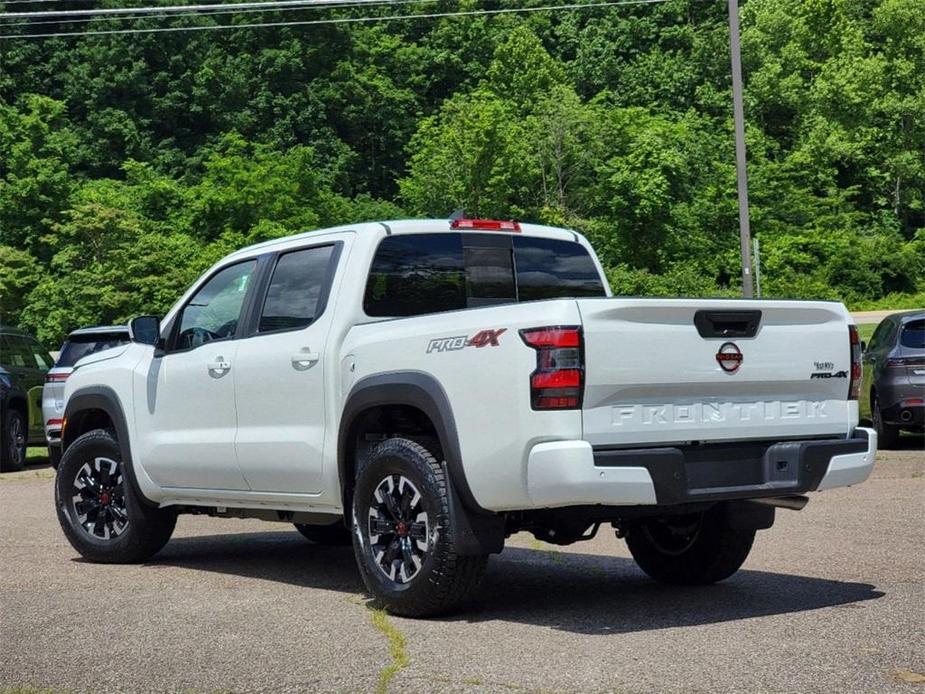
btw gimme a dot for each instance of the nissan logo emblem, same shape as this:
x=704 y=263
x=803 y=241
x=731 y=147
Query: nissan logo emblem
x=729 y=357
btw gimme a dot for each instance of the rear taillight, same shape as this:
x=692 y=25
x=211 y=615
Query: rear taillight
x=896 y=362
x=558 y=381
x=56 y=378
x=854 y=387
x=54 y=423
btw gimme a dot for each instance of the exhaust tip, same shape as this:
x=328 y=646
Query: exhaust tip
x=906 y=415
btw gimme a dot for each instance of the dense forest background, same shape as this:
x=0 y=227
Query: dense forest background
x=129 y=163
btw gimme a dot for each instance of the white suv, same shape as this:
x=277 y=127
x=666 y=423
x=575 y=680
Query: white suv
x=423 y=389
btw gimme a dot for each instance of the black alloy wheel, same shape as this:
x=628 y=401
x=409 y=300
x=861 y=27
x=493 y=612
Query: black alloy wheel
x=102 y=514
x=406 y=540
x=399 y=529
x=98 y=498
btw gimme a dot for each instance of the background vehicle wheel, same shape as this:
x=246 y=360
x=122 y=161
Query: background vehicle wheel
x=335 y=535
x=13 y=441
x=404 y=540
x=102 y=515
x=887 y=434
x=54 y=456
x=692 y=549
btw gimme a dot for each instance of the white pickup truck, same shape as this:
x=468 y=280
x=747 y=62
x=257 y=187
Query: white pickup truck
x=424 y=389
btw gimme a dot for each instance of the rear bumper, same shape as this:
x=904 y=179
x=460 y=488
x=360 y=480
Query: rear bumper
x=570 y=473
x=905 y=414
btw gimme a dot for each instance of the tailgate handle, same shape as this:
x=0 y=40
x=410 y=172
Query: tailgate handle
x=727 y=323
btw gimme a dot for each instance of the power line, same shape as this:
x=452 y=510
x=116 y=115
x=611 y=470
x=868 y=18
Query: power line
x=36 y=2
x=209 y=13
x=342 y=20
x=158 y=9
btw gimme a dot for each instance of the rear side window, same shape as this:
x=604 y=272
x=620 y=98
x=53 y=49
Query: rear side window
x=79 y=346
x=425 y=273
x=913 y=334
x=553 y=269
x=296 y=289
x=416 y=274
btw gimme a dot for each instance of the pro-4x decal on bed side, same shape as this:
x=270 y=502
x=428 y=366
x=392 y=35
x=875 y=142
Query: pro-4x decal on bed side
x=483 y=338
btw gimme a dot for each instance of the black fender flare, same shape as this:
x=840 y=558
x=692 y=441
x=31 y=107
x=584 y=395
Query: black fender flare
x=480 y=531
x=102 y=398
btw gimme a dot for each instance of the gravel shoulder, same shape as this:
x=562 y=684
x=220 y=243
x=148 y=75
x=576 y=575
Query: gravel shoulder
x=831 y=599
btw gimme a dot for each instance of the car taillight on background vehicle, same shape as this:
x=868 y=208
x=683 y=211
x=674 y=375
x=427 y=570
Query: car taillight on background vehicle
x=558 y=381
x=854 y=387
x=896 y=362
x=56 y=378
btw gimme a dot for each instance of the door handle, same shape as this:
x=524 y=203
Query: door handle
x=304 y=359
x=219 y=367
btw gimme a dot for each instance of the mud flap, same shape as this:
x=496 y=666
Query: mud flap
x=476 y=533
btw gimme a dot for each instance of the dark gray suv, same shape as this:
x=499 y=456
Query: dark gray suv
x=895 y=365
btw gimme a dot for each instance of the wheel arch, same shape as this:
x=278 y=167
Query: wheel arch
x=401 y=389
x=93 y=407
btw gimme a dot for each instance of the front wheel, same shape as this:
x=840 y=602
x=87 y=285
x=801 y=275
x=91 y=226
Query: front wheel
x=689 y=549
x=102 y=515
x=404 y=538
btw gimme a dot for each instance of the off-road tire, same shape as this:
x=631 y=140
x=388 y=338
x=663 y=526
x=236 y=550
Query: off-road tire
x=335 y=535
x=713 y=552
x=445 y=579
x=13 y=452
x=148 y=528
x=887 y=434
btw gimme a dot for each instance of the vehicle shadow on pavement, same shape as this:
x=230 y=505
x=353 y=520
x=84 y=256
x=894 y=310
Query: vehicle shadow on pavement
x=581 y=593
x=595 y=594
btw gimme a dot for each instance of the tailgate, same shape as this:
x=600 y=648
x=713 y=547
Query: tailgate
x=679 y=370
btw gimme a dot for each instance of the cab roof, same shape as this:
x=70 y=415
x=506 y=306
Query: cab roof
x=406 y=226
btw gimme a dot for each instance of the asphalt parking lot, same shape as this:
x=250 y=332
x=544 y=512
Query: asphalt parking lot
x=832 y=599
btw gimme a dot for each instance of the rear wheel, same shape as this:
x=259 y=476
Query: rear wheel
x=102 y=515
x=690 y=549
x=404 y=540
x=332 y=535
x=887 y=434
x=13 y=439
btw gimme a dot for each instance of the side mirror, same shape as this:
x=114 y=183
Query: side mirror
x=145 y=330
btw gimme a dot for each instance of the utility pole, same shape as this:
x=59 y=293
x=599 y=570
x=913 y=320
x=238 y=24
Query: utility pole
x=738 y=113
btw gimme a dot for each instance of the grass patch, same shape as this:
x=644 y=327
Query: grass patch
x=397 y=648
x=553 y=553
x=36 y=455
x=865 y=332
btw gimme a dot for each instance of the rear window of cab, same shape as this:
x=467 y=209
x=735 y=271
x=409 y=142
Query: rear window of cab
x=416 y=274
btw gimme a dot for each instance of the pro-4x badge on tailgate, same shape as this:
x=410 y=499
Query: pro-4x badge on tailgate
x=483 y=338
